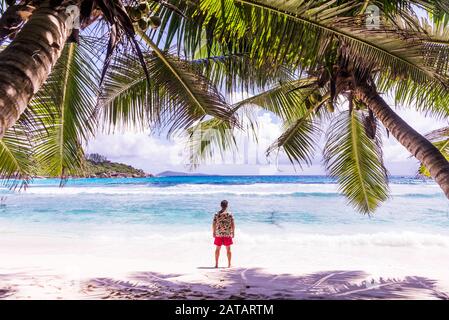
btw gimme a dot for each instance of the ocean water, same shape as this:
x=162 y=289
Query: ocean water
x=262 y=205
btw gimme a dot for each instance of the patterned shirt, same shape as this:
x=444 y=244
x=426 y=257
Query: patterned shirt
x=223 y=224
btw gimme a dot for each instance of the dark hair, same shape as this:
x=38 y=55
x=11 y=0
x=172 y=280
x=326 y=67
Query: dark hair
x=224 y=204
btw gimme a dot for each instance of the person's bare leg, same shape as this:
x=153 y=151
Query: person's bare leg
x=228 y=252
x=217 y=255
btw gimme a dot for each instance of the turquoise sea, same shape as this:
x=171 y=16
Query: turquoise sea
x=269 y=203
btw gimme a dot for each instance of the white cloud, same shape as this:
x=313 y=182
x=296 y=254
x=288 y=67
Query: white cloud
x=142 y=150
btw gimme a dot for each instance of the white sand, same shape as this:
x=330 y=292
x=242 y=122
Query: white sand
x=41 y=265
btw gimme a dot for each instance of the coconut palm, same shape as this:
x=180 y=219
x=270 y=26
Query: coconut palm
x=331 y=57
x=302 y=59
x=50 y=134
x=338 y=59
x=38 y=31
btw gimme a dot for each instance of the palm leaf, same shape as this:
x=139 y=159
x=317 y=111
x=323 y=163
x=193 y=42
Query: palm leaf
x=300 y=34
x=269 y=24
x=68 y=97
x=126 y=96
x=208 y=139
x=287 y=99
x=299 y=141
x=355 y=161
x=16 y=163
x=176 y=96
x=236 y=71
x=277 y=32
x=177 y=26
x=426 y=96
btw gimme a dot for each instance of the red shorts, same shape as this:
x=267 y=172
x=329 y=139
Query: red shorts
x=226 y=241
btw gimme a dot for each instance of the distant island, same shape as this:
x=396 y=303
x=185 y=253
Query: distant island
x=178 y=174
x=98 y=166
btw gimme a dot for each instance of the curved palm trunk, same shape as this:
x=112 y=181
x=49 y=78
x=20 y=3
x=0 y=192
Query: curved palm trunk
x=414 y=142
x=26 y=63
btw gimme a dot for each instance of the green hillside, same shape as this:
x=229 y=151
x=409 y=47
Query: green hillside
x=109 y=169
x=98 y=166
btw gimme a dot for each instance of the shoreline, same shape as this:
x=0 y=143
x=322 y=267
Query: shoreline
x=296 y=238
x=207 y=175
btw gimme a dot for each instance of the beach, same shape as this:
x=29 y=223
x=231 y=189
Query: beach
x=151 y=238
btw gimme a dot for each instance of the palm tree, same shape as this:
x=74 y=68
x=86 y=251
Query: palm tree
x=334 y=56
x=27 y=61
x=39 y=31
x=68 y=109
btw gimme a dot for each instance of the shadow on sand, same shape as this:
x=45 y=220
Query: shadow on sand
x=256 y=284
x=5 y=291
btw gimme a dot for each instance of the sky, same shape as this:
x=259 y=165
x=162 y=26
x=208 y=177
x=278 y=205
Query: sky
x=155 y=154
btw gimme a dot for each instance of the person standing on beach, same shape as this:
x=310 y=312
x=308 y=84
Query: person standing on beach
x=223 y=231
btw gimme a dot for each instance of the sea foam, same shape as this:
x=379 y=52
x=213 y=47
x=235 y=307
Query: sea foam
x=262 y=189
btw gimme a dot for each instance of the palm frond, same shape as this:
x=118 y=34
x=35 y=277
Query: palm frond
x=277 y=32
x=175 y=97
x=424 y=55
x=236 y=71
x=355 y=161
x=178 y=27
x=300 y=34
x=68 y=98
x=208 y=139
x=288 y=100
x=16 y=163
x=126 y=96
x=299 y=141
x=437 y=44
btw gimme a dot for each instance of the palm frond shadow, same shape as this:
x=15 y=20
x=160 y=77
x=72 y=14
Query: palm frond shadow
x=255 y=284
x=5 y=292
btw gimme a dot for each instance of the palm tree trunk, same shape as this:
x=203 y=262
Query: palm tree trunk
x=415 y=143
x=28 y=60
